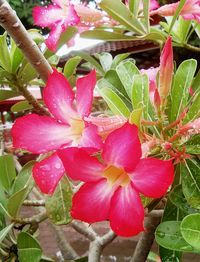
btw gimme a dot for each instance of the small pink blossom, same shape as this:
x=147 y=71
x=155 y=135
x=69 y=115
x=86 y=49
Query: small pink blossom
x=66 y=127
x=113 y=185
x=62 y=14
x=190 y=11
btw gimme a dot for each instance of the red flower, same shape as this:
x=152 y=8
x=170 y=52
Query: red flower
x=67 y=127
x=112 y=186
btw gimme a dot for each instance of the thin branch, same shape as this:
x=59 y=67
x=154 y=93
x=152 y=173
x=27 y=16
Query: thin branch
x=34 y=203
x=146 y=240
x=95 y=250
x=84 y=229
x=34 y=219
x=107 y=238
x=11 y=23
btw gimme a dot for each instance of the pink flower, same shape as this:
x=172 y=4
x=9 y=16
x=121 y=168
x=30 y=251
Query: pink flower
x=190 y=11
x=113 y=184
x=166 y=70
x=61 y=14
x=67 y=127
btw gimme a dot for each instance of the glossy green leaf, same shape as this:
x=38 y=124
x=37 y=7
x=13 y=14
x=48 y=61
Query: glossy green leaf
x=27 y=73
x=190 y=230
x=177 y=13
x=28 y=248
x=146 y=15
x=168 y=235
x=115 y=103
x=118 y=11
x=126 y=71
x=119 y=58
x=191 y=182
x=180 y=90
x=91 y=60
x=105 y=60
x=140 y=93
x=134 y=6
x=59 y=204
x=5 y=231
x=178 y=199
x=194 y=109
x=36 y=36
x=16 y=56
x=196 y=82
x=71 y=65
x=24 y=178
x=193 y=145
x=15 y=202
x=6 y=94
x=21 y=106
x=5 y=60
x=102 y=34
x=7 y=171
x=135 y=116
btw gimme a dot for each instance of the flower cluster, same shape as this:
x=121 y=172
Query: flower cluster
x=103 y=152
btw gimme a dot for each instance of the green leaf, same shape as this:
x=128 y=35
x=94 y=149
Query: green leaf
x=59 y=204
x=135 y=116
x=5 y=231
x=177 y=13
x=193 y=145
x=119 y=58
x=190 y=230
x=82 y=259
x=16 y=56
x=134 y=6
x=15 y=202
x=194 y=109
x=126 y=71
x=146 y=20
x=178 y=199
x=168 y=235
x=7 y=171
x=24 y=178
x=6 y=94
x=5 y=61
x=191 y=182
x=104 y=35
x=196 y=82
x=180 y=90
x=91 y=60
x=28 y=248
x=71 y=65
x=115 y=103
x=119 y=12
x=27 y=73
x=105 y=60
x=140 y=93
x=36 y=36
x=21 y=106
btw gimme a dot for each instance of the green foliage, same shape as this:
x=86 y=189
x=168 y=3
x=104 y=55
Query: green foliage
x=7 y=171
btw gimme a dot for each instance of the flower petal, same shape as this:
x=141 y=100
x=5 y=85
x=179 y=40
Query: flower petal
x=126 y=212
x=90 y=137
x=48 y=173
x=84 y=95
x=56 y=30
x=92 y=202
x=39 y=134
x=79 y=165
x=58 y=96
x=152 y=177
x=47 y=16
x=122 y=147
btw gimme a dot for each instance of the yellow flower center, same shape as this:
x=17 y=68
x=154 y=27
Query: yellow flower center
x=116 y=176
x=76 y=129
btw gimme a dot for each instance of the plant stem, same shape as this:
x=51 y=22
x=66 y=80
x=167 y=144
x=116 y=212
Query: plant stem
x=192 y=48
x=34 y=219
x=34 y=203
x=146 y=240
x=11 y=23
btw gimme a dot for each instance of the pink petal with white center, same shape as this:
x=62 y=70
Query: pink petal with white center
x=79 y=165
x=47 y=16
x=92 y=202
x=90 y=137
x=71 y=16
x=47 y=173
x=56 y=30
x=59 y=97
x=122 y=147
x=88 y=15
x=39 y=134
x=61 y=3
x=126 y=212
x=84 y=94
x=152 y=177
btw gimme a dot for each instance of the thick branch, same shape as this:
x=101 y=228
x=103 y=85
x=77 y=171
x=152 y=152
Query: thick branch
x=146 y=240
x=84 y=229
x=11 y=23
x=95 y=250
